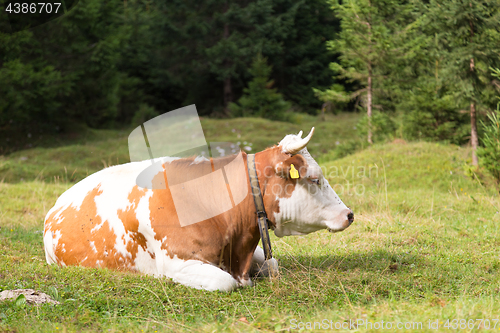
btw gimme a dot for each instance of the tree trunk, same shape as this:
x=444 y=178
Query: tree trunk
x=473 y=133
x=228 y=94
x=369 y=93
x=473 y=126
x=369 y=104
x=437 y=63
x=228 y=91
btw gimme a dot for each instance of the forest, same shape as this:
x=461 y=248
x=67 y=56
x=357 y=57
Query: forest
x=419 y=70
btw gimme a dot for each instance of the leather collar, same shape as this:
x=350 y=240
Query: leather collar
x=259 y=206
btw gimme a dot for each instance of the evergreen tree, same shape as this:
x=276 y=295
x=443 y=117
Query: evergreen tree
x=260 y=99
x=207 y=48
x=422 y=92
x=30 y=89
x=304 y=60
x=248 y=27
x=365 y=44
x=65 y=69
x=469 y=31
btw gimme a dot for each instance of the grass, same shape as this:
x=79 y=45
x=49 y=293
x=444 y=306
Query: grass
x=424 y=247
x=88 y=151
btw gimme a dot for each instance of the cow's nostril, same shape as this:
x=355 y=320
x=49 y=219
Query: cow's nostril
x=350 y=217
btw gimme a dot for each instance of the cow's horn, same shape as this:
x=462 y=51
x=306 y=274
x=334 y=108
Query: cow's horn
x=300 y=134
x=294 y=148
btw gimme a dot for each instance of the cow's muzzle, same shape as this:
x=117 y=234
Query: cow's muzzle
x=345 y=221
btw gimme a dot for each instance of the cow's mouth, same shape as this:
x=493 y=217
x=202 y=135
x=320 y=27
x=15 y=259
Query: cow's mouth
x=332 y=230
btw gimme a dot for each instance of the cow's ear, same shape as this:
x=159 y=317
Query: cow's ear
x=293 y=167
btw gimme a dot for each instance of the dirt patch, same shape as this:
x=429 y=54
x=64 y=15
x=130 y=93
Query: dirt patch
x=398 y=142
x=32 y=296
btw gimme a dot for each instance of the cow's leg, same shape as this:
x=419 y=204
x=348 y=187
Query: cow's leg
x=261 y=267
x=199 y=275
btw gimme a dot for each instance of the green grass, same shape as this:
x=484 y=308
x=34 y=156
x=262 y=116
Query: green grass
x=424 y=246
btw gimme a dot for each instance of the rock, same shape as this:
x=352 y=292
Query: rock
x=32 y=296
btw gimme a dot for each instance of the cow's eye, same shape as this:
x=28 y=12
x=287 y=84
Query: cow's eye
x=314 y=181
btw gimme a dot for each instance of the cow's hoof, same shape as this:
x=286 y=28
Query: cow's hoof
x=268 y=268
x=245 y=283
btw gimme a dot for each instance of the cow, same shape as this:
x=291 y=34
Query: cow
x=107 y=220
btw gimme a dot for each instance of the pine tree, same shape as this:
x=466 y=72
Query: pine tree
x=248 y=27
x=420 y=89
x=364 y=44
x=304 y=60
x=260 y=99
x=469 y=30
x=64 y=70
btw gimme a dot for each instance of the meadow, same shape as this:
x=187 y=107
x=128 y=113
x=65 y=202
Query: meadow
x=423 y=250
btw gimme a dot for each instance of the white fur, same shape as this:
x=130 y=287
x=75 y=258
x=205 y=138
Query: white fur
x=50 y=242
x=199 y=275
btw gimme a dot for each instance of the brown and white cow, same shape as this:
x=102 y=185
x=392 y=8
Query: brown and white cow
x=106 y=220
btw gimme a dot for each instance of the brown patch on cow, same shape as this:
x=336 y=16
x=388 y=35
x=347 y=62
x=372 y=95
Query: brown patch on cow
x=50 y=220
x=77 y=235
x=299 y=162
x=131 y=224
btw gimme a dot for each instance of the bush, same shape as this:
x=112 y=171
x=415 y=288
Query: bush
x=341 y=150
x=490 y=152
x=142 y=115
x=383 y=127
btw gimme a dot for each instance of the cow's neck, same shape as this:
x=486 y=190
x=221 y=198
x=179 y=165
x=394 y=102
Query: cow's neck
x=240 y=229
x=265 y=162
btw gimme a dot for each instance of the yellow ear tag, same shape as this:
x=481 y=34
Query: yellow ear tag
x=294 y=174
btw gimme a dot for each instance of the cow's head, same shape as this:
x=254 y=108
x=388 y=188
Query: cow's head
x=304 y=200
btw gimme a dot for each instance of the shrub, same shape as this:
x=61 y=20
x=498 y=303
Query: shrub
x=383 y=127
x=341 y=150
x=143 y=114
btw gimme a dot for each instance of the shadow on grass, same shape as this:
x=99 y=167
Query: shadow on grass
x=373 y=261
x=369 y=276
